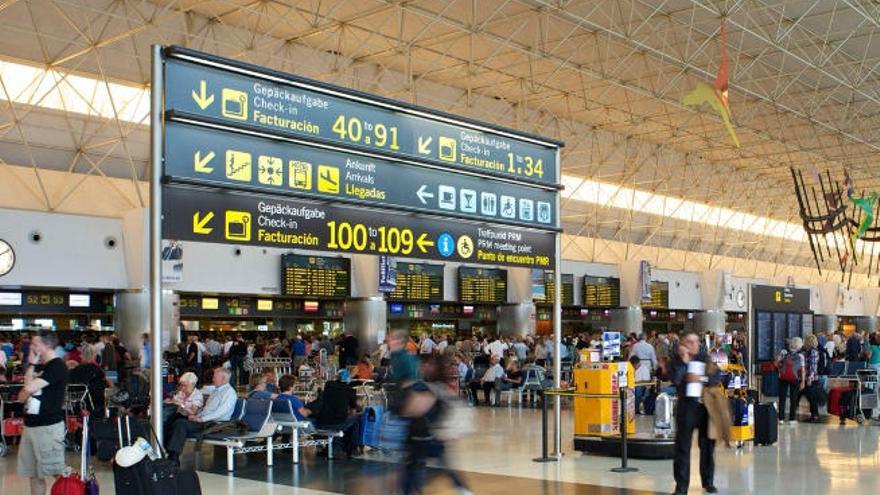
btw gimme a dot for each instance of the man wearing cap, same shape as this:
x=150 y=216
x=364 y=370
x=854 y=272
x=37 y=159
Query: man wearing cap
x=219 y=407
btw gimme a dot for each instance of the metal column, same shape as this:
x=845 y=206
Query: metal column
x=557 y=323
x=157 y=89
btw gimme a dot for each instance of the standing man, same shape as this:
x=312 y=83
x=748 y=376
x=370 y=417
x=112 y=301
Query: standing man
x=41 y=453
x=298 y=350
x=690 y=415
x=645 y=352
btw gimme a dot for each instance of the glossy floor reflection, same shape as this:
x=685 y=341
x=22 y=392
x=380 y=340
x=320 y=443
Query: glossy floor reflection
x=497 y=459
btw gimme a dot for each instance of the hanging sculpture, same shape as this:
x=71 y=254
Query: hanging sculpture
x=842 y=228
x=717 y=96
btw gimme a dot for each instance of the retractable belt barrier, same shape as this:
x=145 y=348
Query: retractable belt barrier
x=571 y=392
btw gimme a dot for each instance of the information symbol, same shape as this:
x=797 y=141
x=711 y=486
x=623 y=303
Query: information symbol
x=445 y=244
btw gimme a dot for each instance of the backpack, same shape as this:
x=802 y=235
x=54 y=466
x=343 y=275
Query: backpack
x=791 y=366
x=822 y=367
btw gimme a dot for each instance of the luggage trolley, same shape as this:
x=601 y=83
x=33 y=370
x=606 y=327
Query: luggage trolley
x=869 y=379
x=75 y=401
x=11 y=423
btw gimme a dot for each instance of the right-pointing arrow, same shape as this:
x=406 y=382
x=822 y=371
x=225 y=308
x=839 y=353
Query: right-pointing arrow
x=200 y=223
x=422 y=194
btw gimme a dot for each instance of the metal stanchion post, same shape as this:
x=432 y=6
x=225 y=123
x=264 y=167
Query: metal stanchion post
x=545 y=457
x=623 y=433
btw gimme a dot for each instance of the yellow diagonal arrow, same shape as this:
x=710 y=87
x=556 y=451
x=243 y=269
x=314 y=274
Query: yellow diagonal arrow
x=202 y=98
x=200 y=223
x=201 y=164
x=423 y=145
x=423 y=243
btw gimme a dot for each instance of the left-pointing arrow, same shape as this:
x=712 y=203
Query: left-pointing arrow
x=424 y=243
x=201 y=164
x=200 y=223
x=202 y=98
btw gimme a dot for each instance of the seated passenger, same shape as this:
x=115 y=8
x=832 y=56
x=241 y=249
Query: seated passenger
x=338 y=410
x=260 y=388
x=219 y=407
x=512 y=379
x=286 y=386
x=186 y=401
x=487 y=382
x=271 y=381
x=364 y=369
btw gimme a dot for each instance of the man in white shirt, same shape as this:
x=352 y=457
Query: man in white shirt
x=645 y=352
x=219 y=407
x=428 y=346
x=496 y=349
x=487 y=382
x=442 y=344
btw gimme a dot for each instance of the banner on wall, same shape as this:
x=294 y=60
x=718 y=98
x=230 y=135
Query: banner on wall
x=387 y=274
x=172 y=261
x=645 y=280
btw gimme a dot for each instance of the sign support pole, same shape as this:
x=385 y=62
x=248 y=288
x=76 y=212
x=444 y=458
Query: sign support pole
x=557 y=326
x=156 y=91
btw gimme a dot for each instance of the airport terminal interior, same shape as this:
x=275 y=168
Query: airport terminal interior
x=439 y=246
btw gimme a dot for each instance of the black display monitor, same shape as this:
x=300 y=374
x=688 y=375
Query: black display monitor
x=482 y=285
x=315 y=276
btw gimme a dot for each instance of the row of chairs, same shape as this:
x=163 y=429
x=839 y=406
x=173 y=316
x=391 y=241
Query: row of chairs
x=264 y=419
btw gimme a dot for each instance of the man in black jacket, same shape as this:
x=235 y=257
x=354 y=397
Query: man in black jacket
x=690 y=415
x=338 y=410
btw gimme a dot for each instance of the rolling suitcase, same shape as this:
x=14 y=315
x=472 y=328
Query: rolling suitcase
x=76 y=483
x=370 y=425
x=161 y=476
x=766 y=427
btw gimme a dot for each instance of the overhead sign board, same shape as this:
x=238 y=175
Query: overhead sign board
x=229 y=159
x=228 y=218
x=248 y=96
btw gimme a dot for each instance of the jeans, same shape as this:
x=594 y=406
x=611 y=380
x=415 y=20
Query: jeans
x=812 y=394
x=691 y=415
x=789 y=391
x=639 y=394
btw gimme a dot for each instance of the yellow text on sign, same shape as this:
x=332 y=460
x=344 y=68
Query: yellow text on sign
x=328 y=179
x=238 y=225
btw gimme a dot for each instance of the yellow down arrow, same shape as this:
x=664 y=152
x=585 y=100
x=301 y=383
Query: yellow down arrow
x=200 y=223
x=424 y=243
x=201 y=164
x=202 y=98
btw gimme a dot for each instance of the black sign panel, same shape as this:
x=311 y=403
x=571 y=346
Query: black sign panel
x=315 y=276
x=418 y=282
x=769 y=298
x=284 y=104
x=482 y=285
x=217 y=306
x=229 y=218
x=31 y=302
x=601 y=292
x=214 y=156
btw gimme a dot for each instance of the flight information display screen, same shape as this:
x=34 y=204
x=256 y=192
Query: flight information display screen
x=550 y=289
x=659 y=295
x=315 y=276
x=418 y=282
x=482 y=285
x=601 y=292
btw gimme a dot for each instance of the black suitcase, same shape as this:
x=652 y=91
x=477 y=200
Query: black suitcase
x=153 y=477
x=766 y=427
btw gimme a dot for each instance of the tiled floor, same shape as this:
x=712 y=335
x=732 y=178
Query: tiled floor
x=808 y=459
